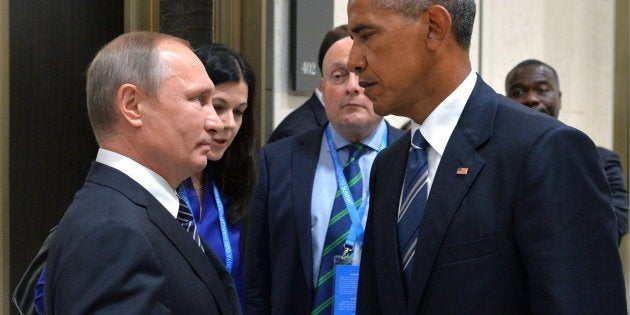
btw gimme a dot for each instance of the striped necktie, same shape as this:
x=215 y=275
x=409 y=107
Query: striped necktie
x=184 y=216
x=412 y=204
x=338 y=229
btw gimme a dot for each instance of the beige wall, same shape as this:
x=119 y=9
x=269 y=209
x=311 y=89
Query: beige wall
x=4 y=157
x=575 y=37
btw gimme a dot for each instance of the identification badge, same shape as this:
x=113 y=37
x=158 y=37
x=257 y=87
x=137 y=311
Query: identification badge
x=346 y=285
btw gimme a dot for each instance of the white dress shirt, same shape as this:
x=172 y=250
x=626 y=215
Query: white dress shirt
x=439 y=125
x=150 y=180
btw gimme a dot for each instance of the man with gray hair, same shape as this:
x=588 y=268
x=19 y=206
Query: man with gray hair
x=127 y=244
x=485 y=207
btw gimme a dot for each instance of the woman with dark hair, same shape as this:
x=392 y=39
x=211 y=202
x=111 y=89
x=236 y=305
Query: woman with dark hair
x=219 y=195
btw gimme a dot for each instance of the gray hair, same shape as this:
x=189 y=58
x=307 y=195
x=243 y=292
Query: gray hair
x=130 y=58
x=462 y=13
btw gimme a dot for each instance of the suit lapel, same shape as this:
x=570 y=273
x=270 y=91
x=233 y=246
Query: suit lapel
x=449 y=188
x=169 y=226
x=303 y=165
x=199 y=262
x=447 y=192
x=318 y=110
x=386 y=194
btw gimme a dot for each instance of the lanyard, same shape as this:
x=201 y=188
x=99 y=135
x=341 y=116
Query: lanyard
x=356 y=229
x=229 y=257
x=224 y=232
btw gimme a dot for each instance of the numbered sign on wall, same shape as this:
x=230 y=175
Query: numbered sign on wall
x=310 y=20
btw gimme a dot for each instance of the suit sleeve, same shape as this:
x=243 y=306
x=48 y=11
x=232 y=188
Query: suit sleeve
x=565 y=229
x=614 y=174
x=367 y=295
x=112 y=271
x=24 y=296
x=257 y=260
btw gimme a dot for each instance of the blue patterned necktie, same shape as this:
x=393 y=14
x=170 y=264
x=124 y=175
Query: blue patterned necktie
x=337 y=233
x=184 y=216
x=412 y=205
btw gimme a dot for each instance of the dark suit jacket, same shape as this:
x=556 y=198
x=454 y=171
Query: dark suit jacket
x=308 y=116
x=614 y=174
x=117 y=250
x=24 y=294
x=528 y=230
x=279 y=257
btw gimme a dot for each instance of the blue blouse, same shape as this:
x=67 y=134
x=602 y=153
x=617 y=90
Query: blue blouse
x=208 y=225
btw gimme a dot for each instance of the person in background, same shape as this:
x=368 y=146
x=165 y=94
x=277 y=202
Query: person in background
x=535 y=84
x=127 y=243
x=300 y=219
x=490 y=207
x=219 y=195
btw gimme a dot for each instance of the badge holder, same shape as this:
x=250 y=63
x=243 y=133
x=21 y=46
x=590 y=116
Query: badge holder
x=346 y=283
x=346 y=275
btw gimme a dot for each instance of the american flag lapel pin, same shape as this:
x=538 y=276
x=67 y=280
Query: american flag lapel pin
x=462 y=171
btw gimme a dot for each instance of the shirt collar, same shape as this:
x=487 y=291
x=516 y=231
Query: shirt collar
x=150 y=180
x=372 y=141
x=319 y=95
x=439 y=125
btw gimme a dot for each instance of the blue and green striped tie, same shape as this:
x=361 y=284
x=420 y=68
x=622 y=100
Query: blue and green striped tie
x=337 y=233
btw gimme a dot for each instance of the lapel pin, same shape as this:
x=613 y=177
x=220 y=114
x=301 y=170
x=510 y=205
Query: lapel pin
x=462 y=171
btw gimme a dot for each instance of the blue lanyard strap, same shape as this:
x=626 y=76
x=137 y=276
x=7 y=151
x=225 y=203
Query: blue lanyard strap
x=229 y=259
x=356 y=229
x=229 y=256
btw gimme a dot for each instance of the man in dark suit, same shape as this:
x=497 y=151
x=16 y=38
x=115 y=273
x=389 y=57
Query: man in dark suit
x=125 y=245
x=511 y=212
x=286 y=266
x=308 y=116
x=535 y=84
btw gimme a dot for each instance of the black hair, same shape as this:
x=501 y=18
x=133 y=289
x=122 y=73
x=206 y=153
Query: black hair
x=234 y=174
x=532 y=62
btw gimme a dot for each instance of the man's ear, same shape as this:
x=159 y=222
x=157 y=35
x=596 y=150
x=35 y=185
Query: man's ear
x=128 y=101
x=439 y=21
